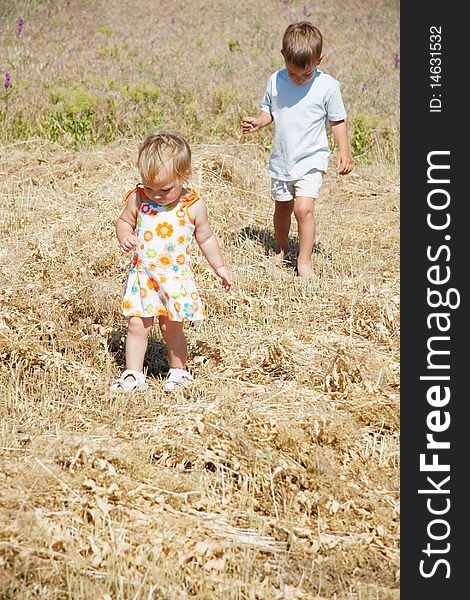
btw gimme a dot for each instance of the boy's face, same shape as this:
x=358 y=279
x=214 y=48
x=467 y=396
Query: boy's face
x=301 y=75
x=164 y=189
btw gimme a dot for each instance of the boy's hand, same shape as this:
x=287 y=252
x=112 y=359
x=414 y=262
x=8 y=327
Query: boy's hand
x=128 y=242
x=344 y=163
x=250 y=124
x=225 y=276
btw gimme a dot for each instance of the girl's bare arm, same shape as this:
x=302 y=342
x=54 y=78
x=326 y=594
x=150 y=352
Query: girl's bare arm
x=126 y=224
x=208 y=243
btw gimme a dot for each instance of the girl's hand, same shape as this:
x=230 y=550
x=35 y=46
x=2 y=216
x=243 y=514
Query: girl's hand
x=250 y=124
x=225 y=276
x=128 y=242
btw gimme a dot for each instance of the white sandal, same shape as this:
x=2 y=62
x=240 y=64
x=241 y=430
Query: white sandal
x=129 y=385
x=177 y=378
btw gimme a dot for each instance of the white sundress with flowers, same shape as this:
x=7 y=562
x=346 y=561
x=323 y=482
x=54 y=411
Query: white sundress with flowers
x=160 y=281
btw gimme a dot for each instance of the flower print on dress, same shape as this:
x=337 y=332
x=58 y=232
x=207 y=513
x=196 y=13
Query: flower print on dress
x=160 y=281
x=189 y=309
x=136 y=262
x=164 y=229
x=153 y=284
x=181 y=214
x=164 y=261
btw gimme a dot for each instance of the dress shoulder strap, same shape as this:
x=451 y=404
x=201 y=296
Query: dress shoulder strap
x=138 y=188
x=190 y=198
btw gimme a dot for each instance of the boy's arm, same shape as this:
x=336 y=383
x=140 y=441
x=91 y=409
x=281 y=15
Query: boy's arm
x=208 y=243
x=251 y=124
x=344 y=161
x=126 y=224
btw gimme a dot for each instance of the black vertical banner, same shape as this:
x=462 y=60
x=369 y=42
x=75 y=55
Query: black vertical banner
x=435 y=354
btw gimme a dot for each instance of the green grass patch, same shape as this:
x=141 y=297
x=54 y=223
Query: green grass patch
x=369 y=135
x=71 y=119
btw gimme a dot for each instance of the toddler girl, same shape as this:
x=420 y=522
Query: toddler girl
x=158 y=224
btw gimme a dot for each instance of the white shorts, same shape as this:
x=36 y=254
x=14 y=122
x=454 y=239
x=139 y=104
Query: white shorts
x=308 y=185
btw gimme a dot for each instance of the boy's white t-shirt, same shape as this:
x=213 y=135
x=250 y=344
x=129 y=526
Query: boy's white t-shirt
x=301 y=114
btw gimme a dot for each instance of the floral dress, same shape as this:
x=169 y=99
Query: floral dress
x=160 y=281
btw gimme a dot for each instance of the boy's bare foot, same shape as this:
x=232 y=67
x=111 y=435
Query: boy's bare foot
x=305 y=270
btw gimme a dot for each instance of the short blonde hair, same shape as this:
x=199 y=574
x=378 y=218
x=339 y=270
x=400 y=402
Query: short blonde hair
x=302 y=44
x=163 y=151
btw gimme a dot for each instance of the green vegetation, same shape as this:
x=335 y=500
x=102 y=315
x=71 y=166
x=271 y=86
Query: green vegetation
x=95 y=80
x=367 y=133
x=10 y=8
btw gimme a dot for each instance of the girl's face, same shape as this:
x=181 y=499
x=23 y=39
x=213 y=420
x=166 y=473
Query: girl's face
x=165 y=189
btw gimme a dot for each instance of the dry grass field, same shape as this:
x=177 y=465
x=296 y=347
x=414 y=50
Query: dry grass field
x=276 y=475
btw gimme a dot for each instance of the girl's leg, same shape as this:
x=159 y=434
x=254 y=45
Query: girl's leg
x=136 y=342
x=282 y=216
x=175 y=340
x=304 y=211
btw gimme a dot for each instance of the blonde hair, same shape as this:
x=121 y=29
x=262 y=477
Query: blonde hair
x=302 y=44
x=162 y=151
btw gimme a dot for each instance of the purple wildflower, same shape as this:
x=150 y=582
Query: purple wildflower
x=364 y=86
x=286 y=2
x=396 y=60
x=173 y=21
x=305 y=10
x=20 y=26
x=7 y=82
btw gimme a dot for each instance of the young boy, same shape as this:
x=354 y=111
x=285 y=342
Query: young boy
x=301 y=100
